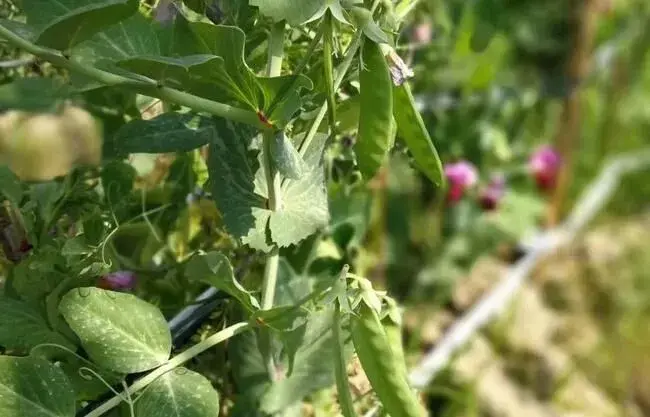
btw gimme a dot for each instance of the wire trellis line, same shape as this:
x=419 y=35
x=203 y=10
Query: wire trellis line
x=488 y=308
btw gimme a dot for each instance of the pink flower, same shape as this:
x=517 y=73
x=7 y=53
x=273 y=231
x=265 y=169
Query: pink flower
x=118 y=281
x=422 y=33
x=460 y=176
x=545 y=165
x=491 y=194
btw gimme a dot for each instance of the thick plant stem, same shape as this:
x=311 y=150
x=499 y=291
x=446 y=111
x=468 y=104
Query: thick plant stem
x=273 y=182
x=143 y=86
x=173 y=363
x=276 y=50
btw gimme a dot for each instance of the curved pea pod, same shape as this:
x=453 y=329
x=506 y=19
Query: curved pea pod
x=376 y=134
x=382 y=366
x=411 y=128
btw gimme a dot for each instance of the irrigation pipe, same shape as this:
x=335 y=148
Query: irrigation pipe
x=590 y=204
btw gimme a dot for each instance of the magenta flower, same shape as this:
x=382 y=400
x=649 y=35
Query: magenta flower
x=118 y=281
x=422 y=33
x=545 y=165
x=491 y=195
x=460 y=175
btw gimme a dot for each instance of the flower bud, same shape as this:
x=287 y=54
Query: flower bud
x=460 y=175
x=422 y=33
x=491 y=195
x=545 y=165
x=165 y=12
x=118 y=281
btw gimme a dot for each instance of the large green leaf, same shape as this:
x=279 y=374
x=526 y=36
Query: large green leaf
x=214 y=268
x=411 y=128
x=169 y=132
x=22 y=327
x=64 y=23
x=208 y=60
x=239 y=189
x=310 y=372
x=86 y=385
x=131 y=37
x=32 y=387
x=299 y=12
x=118 y=331
x=179 y=393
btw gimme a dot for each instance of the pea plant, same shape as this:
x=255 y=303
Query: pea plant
x=270 y=115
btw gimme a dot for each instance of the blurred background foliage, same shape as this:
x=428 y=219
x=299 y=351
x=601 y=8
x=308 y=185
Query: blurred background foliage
x=492 y=81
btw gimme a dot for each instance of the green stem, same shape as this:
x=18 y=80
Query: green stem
x=340 y=74
x=276 y=50
x=273 y=182
x=342 y=383
x=145 y=87
x=173 y=363
x=328 y=68
x=296 y=73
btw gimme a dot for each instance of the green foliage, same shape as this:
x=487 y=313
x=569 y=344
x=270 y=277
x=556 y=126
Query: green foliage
x=34 y=387
x=179 y=393
x=119 y=331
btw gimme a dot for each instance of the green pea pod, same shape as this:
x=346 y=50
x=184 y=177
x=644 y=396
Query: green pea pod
x=392 y=323
x=381 y=365
x=411 y=128
x=376 y=110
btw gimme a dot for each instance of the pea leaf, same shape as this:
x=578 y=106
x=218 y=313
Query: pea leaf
x=85 y=388
x=376 y=114
x=64 y=23
x=297 y=13
x=239 y=189
x=286 y=157
x=208 y=60
x=33 y=387
x=119 y=331
x=131 y=37
x=180 y=393
x=214 y=268
x=310 y=372
x=22 y=327
x=411 y=128
x=169 y=132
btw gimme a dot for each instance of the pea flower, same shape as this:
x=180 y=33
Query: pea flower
x=491 y=195
x=399 y=71
x=545 y=165
x=165 y=12
x=118 y=281
x=460 y=175
x=422 y=33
